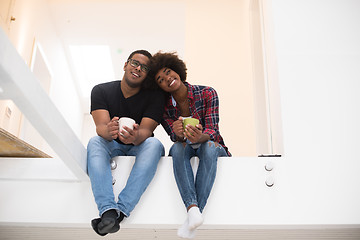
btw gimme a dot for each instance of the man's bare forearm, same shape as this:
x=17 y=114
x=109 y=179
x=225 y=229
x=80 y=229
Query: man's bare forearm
x=143 y=134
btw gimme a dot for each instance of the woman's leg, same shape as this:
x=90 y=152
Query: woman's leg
x=181 y=154
x=208 y=154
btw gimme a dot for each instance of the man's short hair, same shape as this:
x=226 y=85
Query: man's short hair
x=143 y=52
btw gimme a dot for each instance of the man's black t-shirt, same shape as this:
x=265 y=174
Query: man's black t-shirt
x=146 y=103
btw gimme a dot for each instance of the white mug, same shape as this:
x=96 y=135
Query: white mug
x=125 y=121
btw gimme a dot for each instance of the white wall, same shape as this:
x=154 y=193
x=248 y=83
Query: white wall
x=218 y=54
x=33 y=23
x=318 y=54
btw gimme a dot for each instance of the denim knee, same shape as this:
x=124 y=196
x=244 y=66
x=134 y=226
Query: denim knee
x=95 y=141
x=211 y=149
x=177 y=148
x=207 y=148
x=153 y=145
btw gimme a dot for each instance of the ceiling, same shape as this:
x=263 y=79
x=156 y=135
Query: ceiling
x=122 y=25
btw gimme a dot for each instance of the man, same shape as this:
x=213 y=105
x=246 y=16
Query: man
x=109 y=102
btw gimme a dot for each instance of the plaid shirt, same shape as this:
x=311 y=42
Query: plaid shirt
x=204 y=105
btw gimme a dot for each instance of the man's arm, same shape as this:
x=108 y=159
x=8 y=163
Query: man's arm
x=106 y=128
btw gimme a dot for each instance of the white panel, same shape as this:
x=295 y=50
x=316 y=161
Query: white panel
x=36 y=105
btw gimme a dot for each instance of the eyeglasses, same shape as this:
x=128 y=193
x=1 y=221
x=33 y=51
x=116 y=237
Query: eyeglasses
x=136 y=63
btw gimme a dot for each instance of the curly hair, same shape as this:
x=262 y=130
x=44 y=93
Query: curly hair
x=169 y=60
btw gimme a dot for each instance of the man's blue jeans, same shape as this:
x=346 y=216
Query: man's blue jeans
x=195 y=191
x=99 y=154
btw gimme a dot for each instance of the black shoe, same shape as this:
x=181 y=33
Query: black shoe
x=120 y=218
x=106 y=225
x=94 y=224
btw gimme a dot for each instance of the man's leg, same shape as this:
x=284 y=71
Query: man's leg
x=147 y=155
x=99 y=170
x=99 y=153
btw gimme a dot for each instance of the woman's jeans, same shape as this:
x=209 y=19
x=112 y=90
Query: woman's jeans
x=99 y=155
x=196 y=191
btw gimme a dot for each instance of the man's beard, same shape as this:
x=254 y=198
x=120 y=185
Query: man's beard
x=132 y=84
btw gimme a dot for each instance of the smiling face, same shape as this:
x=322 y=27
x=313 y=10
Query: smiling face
x=168 y=80
x=134 y=76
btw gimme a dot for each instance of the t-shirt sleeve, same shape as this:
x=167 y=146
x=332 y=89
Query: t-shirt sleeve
x=155 y=108
x=98 y=100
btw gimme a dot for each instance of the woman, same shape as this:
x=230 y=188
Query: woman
x=203 y=140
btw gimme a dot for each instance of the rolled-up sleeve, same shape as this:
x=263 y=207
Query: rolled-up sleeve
x=211 y=114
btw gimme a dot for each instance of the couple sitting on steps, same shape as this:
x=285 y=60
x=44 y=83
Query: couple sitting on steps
x=153 y=91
